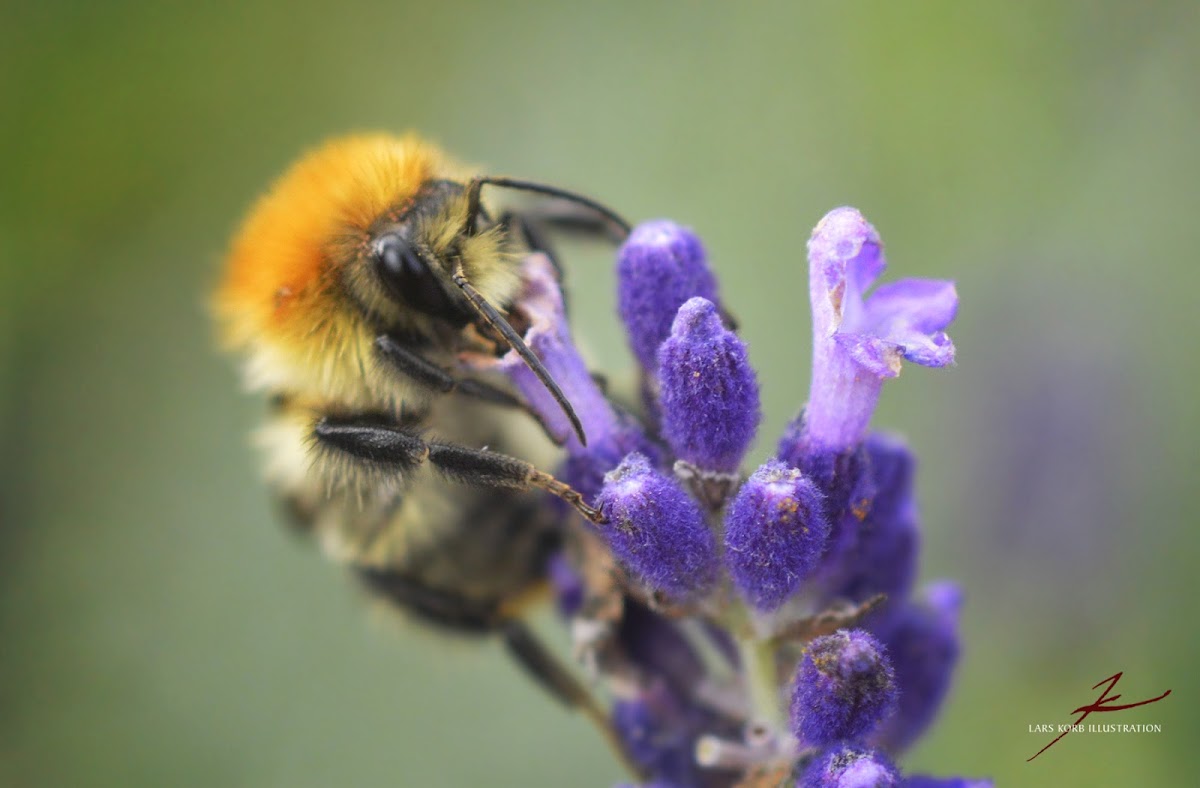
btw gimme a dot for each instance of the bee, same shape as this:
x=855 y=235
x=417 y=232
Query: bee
x=352 y=290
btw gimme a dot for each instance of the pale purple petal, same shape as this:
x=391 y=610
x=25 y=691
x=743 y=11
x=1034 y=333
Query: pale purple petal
x=858 y=340
x=550 y=339
x=927 y=305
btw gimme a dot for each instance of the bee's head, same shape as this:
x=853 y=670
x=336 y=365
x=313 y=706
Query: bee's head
x=342 y=246
x=408 y=263
x=409 y=279
x=367 y=235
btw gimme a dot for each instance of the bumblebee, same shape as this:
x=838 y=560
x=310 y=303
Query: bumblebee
x=352 y=290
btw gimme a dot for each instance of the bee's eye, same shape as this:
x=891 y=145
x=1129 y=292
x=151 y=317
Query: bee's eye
x=409 y=277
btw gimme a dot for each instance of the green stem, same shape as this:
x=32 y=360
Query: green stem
x=762 y=680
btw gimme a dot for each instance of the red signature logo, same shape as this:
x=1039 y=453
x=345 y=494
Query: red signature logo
x=1103 y=703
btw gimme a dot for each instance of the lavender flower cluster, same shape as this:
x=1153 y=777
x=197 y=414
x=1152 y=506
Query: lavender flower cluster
x=754 y=628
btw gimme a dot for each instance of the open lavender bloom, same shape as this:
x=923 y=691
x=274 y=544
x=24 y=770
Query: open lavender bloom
x=859 y=340
x=799 y=575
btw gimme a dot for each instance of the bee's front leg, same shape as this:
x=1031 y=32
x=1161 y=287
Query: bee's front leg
x=410 y=364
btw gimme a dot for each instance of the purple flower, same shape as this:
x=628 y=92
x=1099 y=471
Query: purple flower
x=709 y=394
x=844 y=688
x=658 y=646
x=549 y=337
x=660 y=266
x=660 y=728
x=832 y=517
x=924 y=781
x=567 y=585
x=586 y=466
x=657 y=531
x=775 y=531
x=657 y=732
x=893 y=467
x=881 y=555
x=922 y=641
x=850 y=767
x=859 y=340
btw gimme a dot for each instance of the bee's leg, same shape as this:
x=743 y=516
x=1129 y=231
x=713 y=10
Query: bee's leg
x=413 y=366
x=549 y=671
x=459 y=614
x=389 y=446
x=373 y=442
x=438 y=607
x=492 y=469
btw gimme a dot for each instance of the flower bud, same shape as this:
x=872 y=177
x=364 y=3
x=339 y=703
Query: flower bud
x=656 y=730
x=844 y=688
x=925 y=781
x=922 y=640
x=850 y=767
x=659 y=267
x=709 y=394
x=882 y=556
x=657 y=531
x=775 y=531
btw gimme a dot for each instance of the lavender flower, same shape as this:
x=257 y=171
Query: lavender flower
x=775 y=531
x=845 y=687
x=655 y=728
x=550 y=338
x=659 y=267
x=922 y=639
x=709 y=397
x=809 y=539
x=657 y=531
x=923 y=781
x=658 y=647
x=858 y=340
x=881 y=556
x=850 y=767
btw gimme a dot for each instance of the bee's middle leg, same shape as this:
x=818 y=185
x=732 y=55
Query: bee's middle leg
x=384 y=445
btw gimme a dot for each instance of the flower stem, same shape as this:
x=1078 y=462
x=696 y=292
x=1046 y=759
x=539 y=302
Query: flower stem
x=762 y=681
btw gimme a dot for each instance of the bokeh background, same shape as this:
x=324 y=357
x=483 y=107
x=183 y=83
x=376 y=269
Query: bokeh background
x=159 y=627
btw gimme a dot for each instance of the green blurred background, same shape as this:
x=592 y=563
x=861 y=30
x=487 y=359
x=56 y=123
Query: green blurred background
x=159 y=627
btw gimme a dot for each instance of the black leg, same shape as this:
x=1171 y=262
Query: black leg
x=492 y=469
x=416 y=367
x=383 y=445
x=547 y=669
x=413 y=366
x=372 y=441
x=441 y=608
x=457 y=613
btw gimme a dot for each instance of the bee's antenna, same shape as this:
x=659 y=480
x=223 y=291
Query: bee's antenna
x=495 y=320
x=477 y=184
